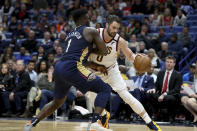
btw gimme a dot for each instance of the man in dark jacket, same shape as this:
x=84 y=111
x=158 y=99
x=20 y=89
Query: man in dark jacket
x=22 y=86
x=167 y=89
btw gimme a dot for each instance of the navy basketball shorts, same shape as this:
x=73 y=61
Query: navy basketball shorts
x=69 y=73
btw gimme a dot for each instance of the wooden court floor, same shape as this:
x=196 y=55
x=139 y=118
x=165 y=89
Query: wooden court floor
x=17 y=125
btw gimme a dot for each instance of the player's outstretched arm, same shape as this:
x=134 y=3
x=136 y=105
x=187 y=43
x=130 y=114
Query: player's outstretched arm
x=122 y=45
x=92 y=35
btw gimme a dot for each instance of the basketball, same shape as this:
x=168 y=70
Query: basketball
x=142 y=63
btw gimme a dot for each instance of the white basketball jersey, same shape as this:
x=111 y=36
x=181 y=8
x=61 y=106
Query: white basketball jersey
x=112 y=47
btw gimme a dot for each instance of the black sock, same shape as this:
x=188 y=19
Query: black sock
x=35 y=121
x=95 y=117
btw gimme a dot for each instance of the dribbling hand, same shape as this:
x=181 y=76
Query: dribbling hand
x=102 y=69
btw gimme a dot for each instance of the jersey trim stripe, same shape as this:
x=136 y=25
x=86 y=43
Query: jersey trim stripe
x=117 y=43
x=80 y=66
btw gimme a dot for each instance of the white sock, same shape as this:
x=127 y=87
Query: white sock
x=146 y=118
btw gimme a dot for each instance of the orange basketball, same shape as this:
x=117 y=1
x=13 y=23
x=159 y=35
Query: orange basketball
x=142 y=63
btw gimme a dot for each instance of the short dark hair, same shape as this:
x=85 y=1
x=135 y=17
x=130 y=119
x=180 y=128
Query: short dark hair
x=31 y=61
x=171 y=57
x=111 y=18
x=78 y=14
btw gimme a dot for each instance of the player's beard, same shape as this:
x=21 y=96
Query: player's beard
x=111 y=34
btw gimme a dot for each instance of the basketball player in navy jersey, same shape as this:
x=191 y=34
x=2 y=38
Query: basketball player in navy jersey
x=70 y=70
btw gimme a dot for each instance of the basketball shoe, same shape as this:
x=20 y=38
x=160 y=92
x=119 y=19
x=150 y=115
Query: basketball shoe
x=28 y=126
x=153 y=126
x=97 y=126
x=105 y=120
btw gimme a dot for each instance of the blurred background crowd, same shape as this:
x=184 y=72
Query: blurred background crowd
x=32 y=39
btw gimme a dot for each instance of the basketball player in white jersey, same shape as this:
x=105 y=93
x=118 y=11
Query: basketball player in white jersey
x=113 y=77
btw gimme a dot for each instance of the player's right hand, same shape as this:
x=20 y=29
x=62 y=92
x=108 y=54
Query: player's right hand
x=102 y=69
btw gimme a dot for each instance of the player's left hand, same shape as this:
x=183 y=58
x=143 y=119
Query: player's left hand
x=102 y=69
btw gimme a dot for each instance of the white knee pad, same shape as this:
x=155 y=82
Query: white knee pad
x=132 y=101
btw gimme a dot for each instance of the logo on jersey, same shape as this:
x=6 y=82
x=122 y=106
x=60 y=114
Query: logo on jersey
x=91 y=77
x=100 y=57
x=74 y=33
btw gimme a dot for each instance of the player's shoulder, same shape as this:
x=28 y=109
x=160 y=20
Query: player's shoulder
x=90 y=30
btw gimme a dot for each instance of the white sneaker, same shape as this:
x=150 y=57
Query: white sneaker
x=97 y=126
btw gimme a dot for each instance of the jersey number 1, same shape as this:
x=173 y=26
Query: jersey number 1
x=68 y=45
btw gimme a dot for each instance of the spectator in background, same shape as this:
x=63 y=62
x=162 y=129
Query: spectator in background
x=190 y=75
x=23 y=13
x=143 y=83
x=154 y=59
x=54 y=34
x=162 y=36
x=7 y=9
x=45 y=25
x=31 y=71
x=121 y=58
x=4 y=23
x=11 y=66
x=55 y=46
x=60 y=25
x=136 y=29
x=126 y=9
x=20 y=91
x=36 y=16
x=167 y=18
x=13 y=24
x=99 y=25
x=71 y=22
x=58 y=54
x=30 y=44
x=38 y=30
x=172 y=7
x=150 y=6
x=150 y=73
x=6 y=83
x=180 y=19
x=93 y=21
x=155 y=18
x=122 y=4
x=174 y=47
x=189 y=101
x=22 y=56
x=61 y=12
x=62 y=39
x=164 y=51
x=8 y=54
x=142 y=47
x=137 y=7
x=185 y=38
x=51 y=59
x=145 y=37
x=34 y=58
x=19 y=32
x=40 y=4
x=167 y=89
x=46 y=42
x=155 y=43
x=41 y=53
x=187 y=8
x=134 y=45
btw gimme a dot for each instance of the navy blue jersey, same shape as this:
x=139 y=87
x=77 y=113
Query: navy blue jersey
x=77 y=47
